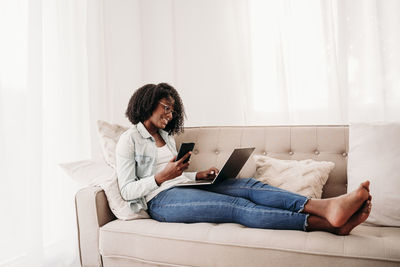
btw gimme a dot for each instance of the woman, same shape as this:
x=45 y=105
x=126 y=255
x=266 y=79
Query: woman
x=147 y=172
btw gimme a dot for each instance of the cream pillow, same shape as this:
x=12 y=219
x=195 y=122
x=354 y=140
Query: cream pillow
x=87 y=172
x=96 y=173
x=304 y=177
x=109 y=135
x=120 y=207
x=374 y=154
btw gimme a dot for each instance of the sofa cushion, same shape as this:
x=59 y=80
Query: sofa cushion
x=304 y=177
x=374 y=155
x=109 y=135
x=206 y=244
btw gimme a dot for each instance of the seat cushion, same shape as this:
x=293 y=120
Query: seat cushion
x=206 y=244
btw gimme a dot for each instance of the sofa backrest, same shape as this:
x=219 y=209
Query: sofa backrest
x=322 y=143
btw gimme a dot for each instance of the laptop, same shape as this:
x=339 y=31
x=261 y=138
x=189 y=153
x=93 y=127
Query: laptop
x=231 y=168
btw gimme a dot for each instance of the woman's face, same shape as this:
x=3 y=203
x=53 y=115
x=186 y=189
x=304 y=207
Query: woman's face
x=163 y=113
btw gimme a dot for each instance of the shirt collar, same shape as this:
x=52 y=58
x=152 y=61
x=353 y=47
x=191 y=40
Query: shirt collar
x=163 y=134
x=145 y=134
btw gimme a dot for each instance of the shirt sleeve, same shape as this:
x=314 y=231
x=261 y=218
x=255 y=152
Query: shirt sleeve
x=130 y=185
x=190 y=175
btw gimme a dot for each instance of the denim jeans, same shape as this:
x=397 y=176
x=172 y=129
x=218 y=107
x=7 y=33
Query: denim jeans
x=245 y=201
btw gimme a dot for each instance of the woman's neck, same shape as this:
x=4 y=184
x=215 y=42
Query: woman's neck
x=150 y=128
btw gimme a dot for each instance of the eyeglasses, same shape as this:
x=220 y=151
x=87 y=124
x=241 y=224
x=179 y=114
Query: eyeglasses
x=168 y=109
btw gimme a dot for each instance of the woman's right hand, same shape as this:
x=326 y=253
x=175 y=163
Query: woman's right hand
x=173 y=169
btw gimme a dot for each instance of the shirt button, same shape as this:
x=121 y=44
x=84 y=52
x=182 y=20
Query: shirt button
x=195 y=151
x=264 y=153
x=216 y=152
x=291 y=153
x=316 y=152
x=344 y=154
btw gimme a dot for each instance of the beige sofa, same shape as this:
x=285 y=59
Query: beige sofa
x=106 y=241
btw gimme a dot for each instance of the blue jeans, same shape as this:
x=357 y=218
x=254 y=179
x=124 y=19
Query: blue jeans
x=245 y=201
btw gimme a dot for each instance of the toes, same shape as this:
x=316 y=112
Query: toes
x=367 y=207
x=365 y=185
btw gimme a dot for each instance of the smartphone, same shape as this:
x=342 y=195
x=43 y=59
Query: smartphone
x=185 y=148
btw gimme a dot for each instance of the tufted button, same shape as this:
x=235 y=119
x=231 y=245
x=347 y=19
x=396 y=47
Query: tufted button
x=195 y=151
x=344 y=154
x=291 y=153
x=216 y=151
x=316 y=152
x=264 y=153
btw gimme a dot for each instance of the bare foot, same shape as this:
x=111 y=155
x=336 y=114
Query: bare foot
x=359 y=217
x=366 y=185
x=341 y=208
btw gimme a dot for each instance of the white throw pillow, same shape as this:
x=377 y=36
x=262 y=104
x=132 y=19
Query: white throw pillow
x=89 y=172
x=374 y=154
x=304 y=177
x=109 y=135
x=120 y=207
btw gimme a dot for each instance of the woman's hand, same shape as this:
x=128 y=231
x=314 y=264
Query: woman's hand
x=209 y=174
x=173 y=169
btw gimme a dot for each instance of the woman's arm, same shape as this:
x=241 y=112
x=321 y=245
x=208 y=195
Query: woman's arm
x=190 y=175
x=209 y=174
x=172 y=170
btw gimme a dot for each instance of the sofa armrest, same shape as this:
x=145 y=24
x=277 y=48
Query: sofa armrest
x=92 y=212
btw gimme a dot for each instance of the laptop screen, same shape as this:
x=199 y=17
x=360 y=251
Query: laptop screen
x=235 y=163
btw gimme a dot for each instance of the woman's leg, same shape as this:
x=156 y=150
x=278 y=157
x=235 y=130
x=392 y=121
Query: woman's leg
x=335 y=210
x=190 y=205
x=259 y=193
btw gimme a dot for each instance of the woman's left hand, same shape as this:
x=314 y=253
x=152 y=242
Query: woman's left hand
x=209 y=174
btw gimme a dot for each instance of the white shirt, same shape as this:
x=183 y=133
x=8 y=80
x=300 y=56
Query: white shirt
x=164 y=155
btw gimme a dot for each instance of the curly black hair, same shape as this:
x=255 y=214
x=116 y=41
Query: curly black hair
x=145 y=100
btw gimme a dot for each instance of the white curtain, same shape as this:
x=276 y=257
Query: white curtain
x=44 y=120
x=371 y=50
x=65 y=64
x=324 y=62
x=264 y=62
x=294 y=63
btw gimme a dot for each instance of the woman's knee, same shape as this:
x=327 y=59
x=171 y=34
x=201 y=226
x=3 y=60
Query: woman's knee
x=251 y=182
x=156 y=216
